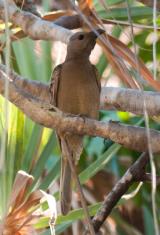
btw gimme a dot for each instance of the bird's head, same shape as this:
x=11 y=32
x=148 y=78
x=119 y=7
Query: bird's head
x=82 y=43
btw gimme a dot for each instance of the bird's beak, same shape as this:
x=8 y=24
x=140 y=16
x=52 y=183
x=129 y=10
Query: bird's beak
x=98 y=32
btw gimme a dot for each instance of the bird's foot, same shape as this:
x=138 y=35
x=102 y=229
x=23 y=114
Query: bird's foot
x=48 y=107
x=83 y=117
x=112 y=121
x=51 y=109
x=75 y=115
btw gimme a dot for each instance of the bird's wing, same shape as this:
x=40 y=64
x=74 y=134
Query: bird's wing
x=97 y=77
x=55 y=78
x=65 y=179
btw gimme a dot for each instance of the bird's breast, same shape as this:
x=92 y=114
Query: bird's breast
x=78 y=92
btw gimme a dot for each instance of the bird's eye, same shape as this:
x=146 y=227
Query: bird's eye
x=80 y=37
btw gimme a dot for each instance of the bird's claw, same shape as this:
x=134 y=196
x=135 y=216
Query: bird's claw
x=74 y=115
x=112 y=121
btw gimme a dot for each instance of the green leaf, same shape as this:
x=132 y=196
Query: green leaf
x=99 y=163
x=32 y=147
x=53 y=174
x=40 y=165
x=122 y=13
x=70 y=217
x=19 y=147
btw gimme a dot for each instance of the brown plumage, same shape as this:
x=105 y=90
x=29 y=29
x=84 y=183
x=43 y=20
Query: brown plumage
x=75 y=89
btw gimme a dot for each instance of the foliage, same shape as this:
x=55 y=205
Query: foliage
x=33 y=148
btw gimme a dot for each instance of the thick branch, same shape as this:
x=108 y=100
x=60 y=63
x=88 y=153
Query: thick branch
x=70 y=22
x=33 y=88
x=129 y=136
x=134 y=173
x=34 y=26
x=117 y=98
x=131 y=100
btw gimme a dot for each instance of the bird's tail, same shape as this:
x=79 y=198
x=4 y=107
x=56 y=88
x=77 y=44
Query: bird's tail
x=72 y=145
x=65 y=186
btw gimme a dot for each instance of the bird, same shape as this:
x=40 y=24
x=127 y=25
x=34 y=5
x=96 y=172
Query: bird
x=75 y=89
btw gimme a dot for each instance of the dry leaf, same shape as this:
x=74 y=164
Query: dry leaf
x=23 y=208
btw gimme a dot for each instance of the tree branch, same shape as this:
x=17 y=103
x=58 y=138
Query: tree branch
x=134 y=173
x=32 y=101
x=33 y=88
x=147 y=177
x=115 y=98
x=131 y=100
x=34 y=26
x=70 y=22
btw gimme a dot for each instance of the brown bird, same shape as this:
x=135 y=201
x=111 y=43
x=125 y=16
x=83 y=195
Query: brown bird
x=75 y=89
